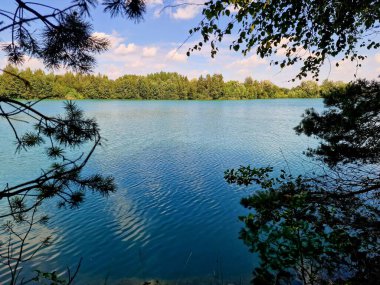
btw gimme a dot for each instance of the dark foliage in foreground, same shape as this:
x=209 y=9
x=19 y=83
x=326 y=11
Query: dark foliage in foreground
x=59 y=37
x=64 y=35
x=321 y=229
x=350 y=128
x=306 y=32
x=63 y=179
x=59 y=139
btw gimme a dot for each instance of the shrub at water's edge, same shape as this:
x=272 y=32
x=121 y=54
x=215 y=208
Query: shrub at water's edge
x=157 y=86
x=321 y=228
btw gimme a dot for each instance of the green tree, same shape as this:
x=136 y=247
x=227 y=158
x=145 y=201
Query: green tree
x=251 y=87
x=321 y=229
x=307 y=32
x=11 y=86
x=328 y=87
x=310 y=88
x=349 y=129
x=234 y=90
x=157 y=86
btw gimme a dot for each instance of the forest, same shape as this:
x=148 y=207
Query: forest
x=156 y=86
x=303 y=225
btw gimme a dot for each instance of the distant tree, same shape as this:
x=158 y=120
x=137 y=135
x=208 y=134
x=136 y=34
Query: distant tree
x=157 y=86
x=328 y=87
x=248 y=81
x=309 y=88
x=321 y=229
x=234 y=90
x=251 y=87
x=214 y=86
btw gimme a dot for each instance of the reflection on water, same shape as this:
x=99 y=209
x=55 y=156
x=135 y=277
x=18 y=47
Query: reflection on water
x=173 y=216
x=11 y=242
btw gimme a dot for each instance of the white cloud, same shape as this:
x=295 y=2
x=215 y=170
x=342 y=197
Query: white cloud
x=377 y=57
x=159 y=66
x=234 y=8
x=33 y=63
x=149 y=51
x=186 y=13
x=154 y=2
x=348 y=70
x=175 y=56
x=178 y=9
x=114 y=38
x=157 y=13
x=195 y=73
x=112 y=71
x=3 y=62
x=244 y=63
x=134 y=64
x=125 y=49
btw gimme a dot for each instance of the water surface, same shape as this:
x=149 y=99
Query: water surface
x=173 y=216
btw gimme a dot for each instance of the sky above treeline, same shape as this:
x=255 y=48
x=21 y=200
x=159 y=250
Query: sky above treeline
x=161 y=40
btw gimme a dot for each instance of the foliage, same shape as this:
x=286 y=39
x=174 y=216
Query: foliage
x=321 y=229
x=304 y=31
x=298 y=230
x=59 y=37
x=63 y=181
x=56 y=133
x=64 y=37
x=350 y=128
x=53 y=278
x=157 y=86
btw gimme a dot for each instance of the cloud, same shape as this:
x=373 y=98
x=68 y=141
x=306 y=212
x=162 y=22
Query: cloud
x=377 y=57
x=114 y=38
x=149 y=51
x=154 y=2
x=125 y=49
x=112 y=71
x=244 y=63
x=159 y=66
x=33 y=63
x=347 y=70
x=178 y=9
x=175 y=56
x=157 y=13
x=186 y=13
x=234 y=9
x=244 y=72
x=134 y=64
x=186 y=10
x=196 y=73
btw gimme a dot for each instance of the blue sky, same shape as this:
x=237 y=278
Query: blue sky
x=152 y=45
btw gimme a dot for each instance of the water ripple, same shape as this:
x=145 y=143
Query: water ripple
x=168 y=160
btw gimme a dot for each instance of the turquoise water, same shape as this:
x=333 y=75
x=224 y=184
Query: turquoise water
x=173 y=216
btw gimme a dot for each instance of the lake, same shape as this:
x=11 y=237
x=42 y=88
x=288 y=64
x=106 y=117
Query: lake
x=173 y=216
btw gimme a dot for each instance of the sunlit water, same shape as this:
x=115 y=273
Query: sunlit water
x=173 y=216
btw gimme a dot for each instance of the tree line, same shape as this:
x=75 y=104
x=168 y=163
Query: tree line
x=157 y=86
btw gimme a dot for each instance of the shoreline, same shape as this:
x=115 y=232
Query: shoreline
x=157 y=100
